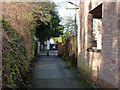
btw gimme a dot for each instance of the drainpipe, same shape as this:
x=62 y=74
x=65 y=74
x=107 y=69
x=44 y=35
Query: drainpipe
x=75 y=18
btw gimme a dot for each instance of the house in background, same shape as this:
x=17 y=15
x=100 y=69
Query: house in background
x=99 y=42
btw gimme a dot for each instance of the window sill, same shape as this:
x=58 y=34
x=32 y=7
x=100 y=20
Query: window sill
x=94 y=50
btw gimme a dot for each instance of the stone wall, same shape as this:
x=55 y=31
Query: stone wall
x=101 y=66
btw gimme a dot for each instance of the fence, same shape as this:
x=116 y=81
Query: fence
x=68 y=50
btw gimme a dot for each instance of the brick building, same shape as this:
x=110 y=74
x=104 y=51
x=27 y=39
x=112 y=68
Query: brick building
x=98 y=42
x=0 y=56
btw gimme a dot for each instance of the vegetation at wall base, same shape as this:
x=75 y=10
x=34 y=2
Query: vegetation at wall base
x=86 y=84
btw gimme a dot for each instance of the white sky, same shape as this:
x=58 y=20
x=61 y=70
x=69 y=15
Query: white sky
x=61 y=8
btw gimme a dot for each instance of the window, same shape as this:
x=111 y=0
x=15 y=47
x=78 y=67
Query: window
x=95 y=28
x=97 y=34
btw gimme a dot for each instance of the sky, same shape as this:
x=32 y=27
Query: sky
x=61 y=8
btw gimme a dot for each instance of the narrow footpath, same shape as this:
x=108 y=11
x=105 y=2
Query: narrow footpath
x=52 y=72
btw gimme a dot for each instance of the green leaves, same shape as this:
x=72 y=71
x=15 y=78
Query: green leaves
x=48 y=24
x=11 y=76
x=29 y=16
x=15 y=56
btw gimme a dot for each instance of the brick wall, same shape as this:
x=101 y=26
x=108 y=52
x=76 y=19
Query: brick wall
x=60 y=49
x=101 y=66
x=119 y=43
x=0 y=48
x=36 y=48
x=0 y=59
x=109 y=67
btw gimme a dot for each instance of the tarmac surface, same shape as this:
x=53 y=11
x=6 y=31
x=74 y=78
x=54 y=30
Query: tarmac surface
x=52 y=72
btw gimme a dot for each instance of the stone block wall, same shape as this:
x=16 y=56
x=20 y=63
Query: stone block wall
x=101 y=66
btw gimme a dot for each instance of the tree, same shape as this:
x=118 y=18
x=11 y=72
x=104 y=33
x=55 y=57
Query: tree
x=69 y=26
x=47 y=21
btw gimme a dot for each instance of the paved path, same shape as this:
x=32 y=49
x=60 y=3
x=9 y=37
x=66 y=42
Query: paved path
x=51 y=53
x=52 y=72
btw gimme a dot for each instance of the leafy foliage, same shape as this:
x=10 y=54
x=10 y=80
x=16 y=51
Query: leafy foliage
x=15 y=59
x=49 y=27
x=17 y=44
x=20 y=23
x=70 y=27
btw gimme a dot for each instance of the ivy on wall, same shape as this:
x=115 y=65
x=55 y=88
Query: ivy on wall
x=21 y=22
x=15 y=60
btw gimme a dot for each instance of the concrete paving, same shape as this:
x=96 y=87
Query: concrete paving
x=52 y=72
